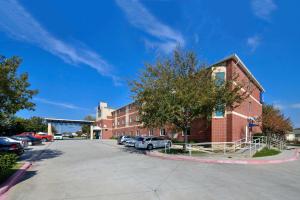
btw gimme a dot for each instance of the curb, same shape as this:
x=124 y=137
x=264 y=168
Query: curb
x=11 y=181
x=211 y=161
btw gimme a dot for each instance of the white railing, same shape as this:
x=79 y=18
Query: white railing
x=249 y=146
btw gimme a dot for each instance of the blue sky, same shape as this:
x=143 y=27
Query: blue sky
x=78 y=53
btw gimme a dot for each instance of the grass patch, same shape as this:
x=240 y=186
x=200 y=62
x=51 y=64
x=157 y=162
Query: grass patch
x=9 y=172
x=266 y=152
x=180 y=152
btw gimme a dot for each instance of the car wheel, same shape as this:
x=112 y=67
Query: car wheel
x=44 y=140
x=150 y=147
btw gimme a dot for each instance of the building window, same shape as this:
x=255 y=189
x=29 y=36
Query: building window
x=220 y=78
x=137 y=118
x=130 y=119
x=188 y=131
x=137 y=132
x=220 y=111
x=249 y=107
x=162 y=132
x=113 y=123
x=129 y=107
x=261 y=97
x=118 y=123
x=123 y=122
x=151 y=132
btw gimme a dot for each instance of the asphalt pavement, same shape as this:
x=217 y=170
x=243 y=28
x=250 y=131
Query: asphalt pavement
x=83 y=169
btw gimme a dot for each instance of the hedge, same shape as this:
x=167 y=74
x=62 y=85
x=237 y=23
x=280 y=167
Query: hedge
x=7 y=161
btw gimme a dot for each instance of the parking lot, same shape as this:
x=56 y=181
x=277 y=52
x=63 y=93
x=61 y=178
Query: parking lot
x=83 y=169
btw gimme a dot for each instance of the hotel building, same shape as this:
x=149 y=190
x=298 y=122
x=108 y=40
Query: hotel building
x=228 y=126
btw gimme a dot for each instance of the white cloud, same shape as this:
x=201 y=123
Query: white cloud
x=263 y=8
x=20 y=25
x=279 y=105
x=141 y=18
x=296 y=105
x=253 y=42
x=60 y=104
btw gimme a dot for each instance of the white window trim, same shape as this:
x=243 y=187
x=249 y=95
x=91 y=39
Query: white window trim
x=219 y=117
x=151 y=130
x=160 y=132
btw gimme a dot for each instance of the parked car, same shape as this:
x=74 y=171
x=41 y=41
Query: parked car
x=24 y=143
x=123 y=138
x=24 y=140
x=10 y=147
x=152 y=143
x=131 y=141
x=42 y=137
x=31 y=140
x=58 y=136
x=69 y=135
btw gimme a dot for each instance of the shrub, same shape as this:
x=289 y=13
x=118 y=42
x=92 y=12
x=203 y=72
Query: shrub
x=113 y=137
x=7 y=161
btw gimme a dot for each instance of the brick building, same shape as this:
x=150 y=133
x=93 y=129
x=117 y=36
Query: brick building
x=225 y=126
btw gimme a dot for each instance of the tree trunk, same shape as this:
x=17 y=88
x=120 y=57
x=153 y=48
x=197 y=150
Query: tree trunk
x=185 y=139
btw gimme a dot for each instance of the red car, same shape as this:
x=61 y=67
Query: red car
x=43 y=137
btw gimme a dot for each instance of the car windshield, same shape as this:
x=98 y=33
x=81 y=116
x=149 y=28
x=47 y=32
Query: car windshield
x=139 y=139
x=31 y=137
x=58 y=134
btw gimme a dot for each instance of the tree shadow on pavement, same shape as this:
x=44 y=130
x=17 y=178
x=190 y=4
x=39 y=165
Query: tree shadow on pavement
x=133 y=150
x=27 y=175
x=40 y=155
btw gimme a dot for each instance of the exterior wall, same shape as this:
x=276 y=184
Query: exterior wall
x=106 y=128
x=250 y=108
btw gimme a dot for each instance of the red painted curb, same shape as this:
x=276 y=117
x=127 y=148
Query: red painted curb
x=243 y=162
x=11 y=181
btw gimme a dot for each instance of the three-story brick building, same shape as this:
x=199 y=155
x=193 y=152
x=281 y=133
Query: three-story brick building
x=225 y=126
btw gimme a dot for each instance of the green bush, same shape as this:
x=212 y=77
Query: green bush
x=113 y=137
x=7 y=161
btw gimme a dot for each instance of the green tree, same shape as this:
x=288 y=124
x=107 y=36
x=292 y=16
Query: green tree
x=86 y=128
x=178 y=90
x=274 y=123
x=15 y=94
x=37 y=124
x=18 y=125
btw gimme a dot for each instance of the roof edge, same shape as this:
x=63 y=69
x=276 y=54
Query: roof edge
x=236 y=57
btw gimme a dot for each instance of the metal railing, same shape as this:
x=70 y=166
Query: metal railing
x=246 y=146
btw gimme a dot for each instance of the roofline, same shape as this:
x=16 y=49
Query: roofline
x=236 y=57
x=71 y=120
x=118 y=108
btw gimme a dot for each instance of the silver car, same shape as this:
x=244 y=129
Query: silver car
x=131 y=142
x=152 y=143
x=24 y=144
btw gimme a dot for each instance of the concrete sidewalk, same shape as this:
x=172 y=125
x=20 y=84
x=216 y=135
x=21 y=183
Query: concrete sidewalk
x=285 y=156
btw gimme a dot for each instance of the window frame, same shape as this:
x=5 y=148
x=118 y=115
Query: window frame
x=160 y=132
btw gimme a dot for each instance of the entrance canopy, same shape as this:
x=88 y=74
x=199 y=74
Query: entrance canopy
x=51 y=121
x=69 y=121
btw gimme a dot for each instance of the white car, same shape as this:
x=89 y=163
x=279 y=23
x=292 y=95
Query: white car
x=58 y=136
x=152 y=143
